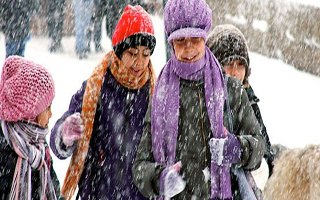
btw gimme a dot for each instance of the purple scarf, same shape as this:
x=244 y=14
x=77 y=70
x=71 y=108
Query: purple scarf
x=165 y=113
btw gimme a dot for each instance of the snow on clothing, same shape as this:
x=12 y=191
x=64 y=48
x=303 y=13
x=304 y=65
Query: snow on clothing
x=114 y=137
x=26 y=89
x=228 y=44
x=134 y=28
x=269 y=154
x=15 y=19
x=10 y=162
x=15 y=15
x=187 y=18
x=165 y=104
x=113 y=8
x=192 y=147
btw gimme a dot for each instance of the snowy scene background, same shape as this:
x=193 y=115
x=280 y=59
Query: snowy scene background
x=289 y=98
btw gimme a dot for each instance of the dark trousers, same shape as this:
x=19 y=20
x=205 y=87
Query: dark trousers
x=55 y=20
x=16 y=47
x=99 y=12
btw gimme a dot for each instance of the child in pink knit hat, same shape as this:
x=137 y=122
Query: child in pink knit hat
x=26 y=94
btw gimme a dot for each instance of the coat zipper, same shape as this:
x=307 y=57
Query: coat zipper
x=202 y=130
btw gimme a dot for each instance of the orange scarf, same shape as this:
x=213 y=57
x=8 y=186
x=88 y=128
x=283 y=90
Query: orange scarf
x=89 y=105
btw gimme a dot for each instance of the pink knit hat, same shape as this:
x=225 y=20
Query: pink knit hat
x=26 y=89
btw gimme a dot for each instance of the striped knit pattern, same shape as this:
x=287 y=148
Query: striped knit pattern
x=27 y=141
x=89 y=105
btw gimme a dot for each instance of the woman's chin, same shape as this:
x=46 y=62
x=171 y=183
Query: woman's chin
x=136 y=73
x=190 y=60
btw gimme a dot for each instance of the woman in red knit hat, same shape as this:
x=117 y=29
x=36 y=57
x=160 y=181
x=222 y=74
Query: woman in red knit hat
x=26 y=94
x=103 y=125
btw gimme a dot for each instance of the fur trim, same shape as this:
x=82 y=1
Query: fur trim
x=296 y=175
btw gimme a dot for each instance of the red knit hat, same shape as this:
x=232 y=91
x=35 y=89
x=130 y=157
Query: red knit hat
x=134 y=28
x=26 y=89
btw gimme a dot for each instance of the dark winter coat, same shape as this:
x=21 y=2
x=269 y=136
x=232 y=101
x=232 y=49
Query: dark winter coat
x=55 y=19
x=115 y=138
x=8 y=159
x=15 y=18
x=193 y=142
x=268 y=155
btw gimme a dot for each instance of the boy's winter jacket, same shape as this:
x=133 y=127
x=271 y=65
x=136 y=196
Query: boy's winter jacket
x=193 y=142
x=268 y=155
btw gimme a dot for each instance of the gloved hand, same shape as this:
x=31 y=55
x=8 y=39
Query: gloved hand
x=225 y=150
x=72 y=129
x=173 y=183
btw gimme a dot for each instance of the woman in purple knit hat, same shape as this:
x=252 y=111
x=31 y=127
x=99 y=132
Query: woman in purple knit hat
x=193 y=141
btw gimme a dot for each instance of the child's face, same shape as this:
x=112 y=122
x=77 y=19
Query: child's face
x=236 y=70
x=136 y=59
x=189 y=49
x=43 y=118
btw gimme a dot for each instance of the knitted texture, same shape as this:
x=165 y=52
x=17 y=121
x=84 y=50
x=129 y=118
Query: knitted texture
x=89 y=105
x=228 y=44
x=187 y=18
x=26 y=89
x=134 y=28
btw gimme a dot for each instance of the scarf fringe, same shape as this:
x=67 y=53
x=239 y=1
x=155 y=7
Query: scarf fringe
x=20 y=136
x=89 y=105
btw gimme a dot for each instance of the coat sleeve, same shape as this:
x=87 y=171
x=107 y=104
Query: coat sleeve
x=8 y=159
x=56 y=144
x=146 y=171
x=254 y=104
x=245 y=126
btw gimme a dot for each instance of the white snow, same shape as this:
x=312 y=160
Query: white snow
x=289 y=98
x=312 y=42
x=313 y=3
x=260 y=25
x=289 y=35
x=238 y=19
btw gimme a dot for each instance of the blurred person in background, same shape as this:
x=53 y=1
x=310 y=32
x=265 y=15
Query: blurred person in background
x=99 y=11
x=55 y=20
x=15 y=24
x=83 y=10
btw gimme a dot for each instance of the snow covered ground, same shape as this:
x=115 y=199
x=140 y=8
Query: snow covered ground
x=289 y=98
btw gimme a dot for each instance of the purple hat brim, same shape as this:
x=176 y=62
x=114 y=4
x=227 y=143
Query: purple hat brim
x=187 y=32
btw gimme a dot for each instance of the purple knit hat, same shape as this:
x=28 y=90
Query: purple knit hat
x=187 y=18
x=26 y=89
